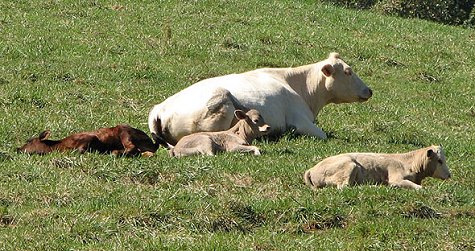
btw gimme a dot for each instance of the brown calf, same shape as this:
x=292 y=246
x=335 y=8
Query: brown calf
x=119 y=140
x=237 y=139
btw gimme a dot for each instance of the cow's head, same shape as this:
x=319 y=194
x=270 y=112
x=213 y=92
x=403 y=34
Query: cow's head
x=437 y=164
x=255 y=122
x=344 y=85
x=37 y=145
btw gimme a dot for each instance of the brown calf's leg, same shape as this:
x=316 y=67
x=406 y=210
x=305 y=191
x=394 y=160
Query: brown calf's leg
x=147 y=154
x=117 y=153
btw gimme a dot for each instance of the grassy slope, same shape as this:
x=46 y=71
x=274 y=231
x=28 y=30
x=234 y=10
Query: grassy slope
x=79 y=65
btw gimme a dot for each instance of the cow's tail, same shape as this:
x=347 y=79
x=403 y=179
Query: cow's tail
x=308 y=179
x=159 y=140
x=155 y=126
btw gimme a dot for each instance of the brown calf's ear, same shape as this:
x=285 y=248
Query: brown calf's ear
x=44 y=135
x=430 y=152
x=328 y=70
x=240 y=114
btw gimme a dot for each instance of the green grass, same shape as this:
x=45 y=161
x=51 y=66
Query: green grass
x=71 y=66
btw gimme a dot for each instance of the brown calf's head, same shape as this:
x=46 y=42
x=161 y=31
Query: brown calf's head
x=255 y=121
x=38 y=145
x=437 y=164
x=344 y=85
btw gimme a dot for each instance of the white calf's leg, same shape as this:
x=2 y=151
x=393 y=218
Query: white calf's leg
x=245 y=149
x=347 y=175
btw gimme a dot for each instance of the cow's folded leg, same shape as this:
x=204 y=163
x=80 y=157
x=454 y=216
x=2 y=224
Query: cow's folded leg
x=310 y=129
x=405 y=184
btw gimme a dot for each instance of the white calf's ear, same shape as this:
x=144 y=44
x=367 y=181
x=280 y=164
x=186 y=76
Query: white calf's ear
x=240 y=114
x=328 y=70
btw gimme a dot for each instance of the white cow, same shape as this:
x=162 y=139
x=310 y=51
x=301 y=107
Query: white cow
x=287 y=98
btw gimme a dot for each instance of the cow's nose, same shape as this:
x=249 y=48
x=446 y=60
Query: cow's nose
x=370 y=92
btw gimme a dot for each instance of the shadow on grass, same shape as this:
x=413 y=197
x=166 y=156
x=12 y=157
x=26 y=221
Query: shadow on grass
x=335 y=221
x=241 y=217
x=5 y=156
x=422 y=212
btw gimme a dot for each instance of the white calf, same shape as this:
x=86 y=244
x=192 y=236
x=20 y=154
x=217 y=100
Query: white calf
x=399 y=170
x=237 y=139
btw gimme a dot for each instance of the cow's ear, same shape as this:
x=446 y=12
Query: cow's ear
x=430 y=152
x=328 y=70
x=44 y=135
x=240 y=114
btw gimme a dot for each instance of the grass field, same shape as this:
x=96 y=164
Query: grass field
x=72 y=66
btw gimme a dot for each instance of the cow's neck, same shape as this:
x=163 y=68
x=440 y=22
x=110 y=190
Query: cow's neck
x=309 y=83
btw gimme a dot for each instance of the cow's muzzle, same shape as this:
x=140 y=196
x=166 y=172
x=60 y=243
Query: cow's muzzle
x=264 y=129
x=367 y=93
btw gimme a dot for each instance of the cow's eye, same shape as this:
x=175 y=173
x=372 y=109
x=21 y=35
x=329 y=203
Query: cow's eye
x=440 y=161
x=255 y=121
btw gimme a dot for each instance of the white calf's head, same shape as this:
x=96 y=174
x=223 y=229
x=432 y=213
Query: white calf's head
x=437 y=162
x=344 y=85
x=253 y=119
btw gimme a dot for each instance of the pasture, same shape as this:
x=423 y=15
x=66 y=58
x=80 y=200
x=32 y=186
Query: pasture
x=72 y=66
